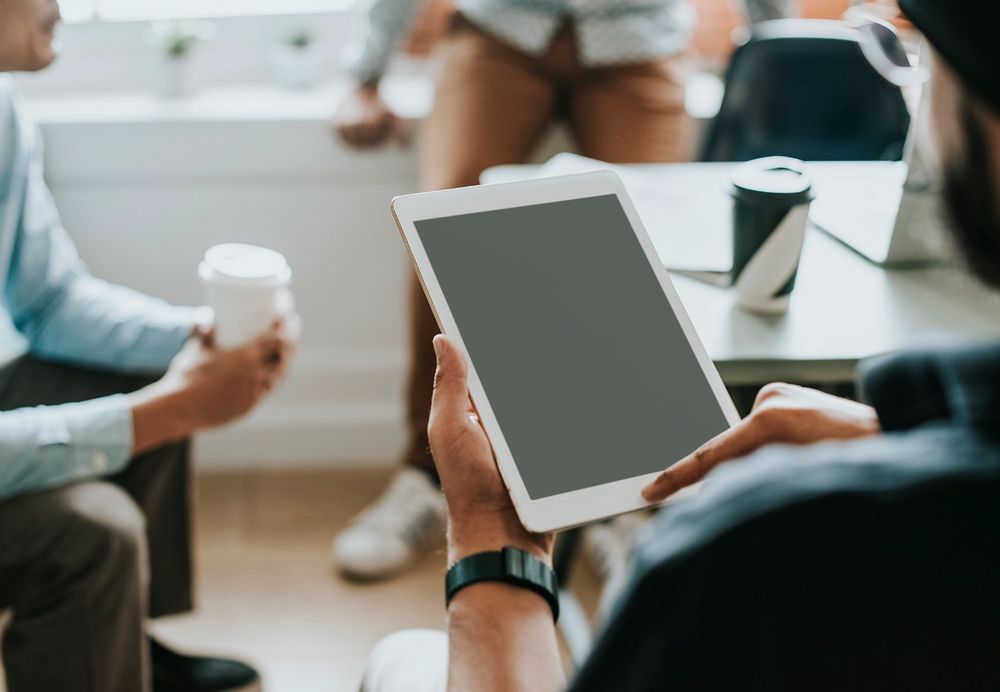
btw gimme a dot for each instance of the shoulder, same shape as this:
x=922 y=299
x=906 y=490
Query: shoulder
x=787 y=481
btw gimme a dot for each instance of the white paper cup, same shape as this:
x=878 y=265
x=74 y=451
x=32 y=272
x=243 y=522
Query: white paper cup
x=247 y=288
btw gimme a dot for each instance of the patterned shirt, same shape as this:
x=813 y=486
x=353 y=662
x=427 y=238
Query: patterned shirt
x=610 y=32
x=66 y=315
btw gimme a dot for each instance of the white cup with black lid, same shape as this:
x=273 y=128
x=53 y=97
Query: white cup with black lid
x=771 y=199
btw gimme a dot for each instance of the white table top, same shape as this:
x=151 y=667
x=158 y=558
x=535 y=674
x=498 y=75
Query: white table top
x=843 y=308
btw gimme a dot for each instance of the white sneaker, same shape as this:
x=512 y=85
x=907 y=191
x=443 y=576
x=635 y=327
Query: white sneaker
x=606 y=548
x=386 y=537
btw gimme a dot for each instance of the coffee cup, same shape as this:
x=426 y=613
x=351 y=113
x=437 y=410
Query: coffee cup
x=771 y=199
x=247 y=288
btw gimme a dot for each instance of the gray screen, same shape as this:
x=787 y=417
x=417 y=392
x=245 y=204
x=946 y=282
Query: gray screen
x=583 y=362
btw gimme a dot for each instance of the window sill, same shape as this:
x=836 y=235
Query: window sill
x=409 y=95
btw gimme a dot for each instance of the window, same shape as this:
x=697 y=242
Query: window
x=123 y=10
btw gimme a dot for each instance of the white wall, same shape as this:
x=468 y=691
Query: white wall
x=144 y=187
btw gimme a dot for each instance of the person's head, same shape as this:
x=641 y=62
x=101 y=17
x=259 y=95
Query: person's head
x=26 y=29
x=965 y=104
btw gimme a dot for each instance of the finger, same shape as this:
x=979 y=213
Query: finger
x=451 y=391
x=347 y=134
x=205 y=335
x=401 y=132
x=740 y=440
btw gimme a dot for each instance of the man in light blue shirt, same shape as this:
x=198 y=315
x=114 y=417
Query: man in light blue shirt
x=94 y=515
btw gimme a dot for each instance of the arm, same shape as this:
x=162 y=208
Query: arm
x=385 y=22
x=363 y=119
x=501 y=637
x=51 y=446
x=204 y=387
x=68 y=315
x=764 y=10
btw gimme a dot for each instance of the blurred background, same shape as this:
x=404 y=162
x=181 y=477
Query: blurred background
x=166 y=137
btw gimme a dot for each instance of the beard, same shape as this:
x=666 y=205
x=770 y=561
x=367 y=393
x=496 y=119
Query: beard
x=970 y=193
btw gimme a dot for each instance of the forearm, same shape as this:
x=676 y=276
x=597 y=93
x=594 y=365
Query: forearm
x=764 y=10
x=50 y=446
x=502 y=637
x=386 y=23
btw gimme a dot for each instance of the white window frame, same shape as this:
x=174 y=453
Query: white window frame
x=100 y=56
x=126 y=10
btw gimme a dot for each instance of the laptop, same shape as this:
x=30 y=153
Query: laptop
x=888 y=211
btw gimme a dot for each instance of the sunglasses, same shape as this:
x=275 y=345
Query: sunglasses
x=883 y=48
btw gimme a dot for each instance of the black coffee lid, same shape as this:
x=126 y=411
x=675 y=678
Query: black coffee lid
x=772 y=180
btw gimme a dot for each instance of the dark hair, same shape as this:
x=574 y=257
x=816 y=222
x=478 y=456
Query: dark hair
x=971 y=195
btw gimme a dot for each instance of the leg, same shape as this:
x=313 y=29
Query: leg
x=633 y=114
x=492 y=105
x=412 y=660
x=73 y=568
x=158 y=481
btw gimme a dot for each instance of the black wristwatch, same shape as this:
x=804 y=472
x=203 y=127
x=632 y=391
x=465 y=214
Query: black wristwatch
x=511 y=566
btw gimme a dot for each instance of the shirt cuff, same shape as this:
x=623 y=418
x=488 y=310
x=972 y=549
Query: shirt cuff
x=101 y=434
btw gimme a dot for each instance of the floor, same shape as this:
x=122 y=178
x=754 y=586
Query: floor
x=266 y=591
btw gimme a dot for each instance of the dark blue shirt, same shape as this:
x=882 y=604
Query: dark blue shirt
x=866 y=565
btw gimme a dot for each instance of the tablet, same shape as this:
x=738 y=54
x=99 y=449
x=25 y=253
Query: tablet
x=585 y=370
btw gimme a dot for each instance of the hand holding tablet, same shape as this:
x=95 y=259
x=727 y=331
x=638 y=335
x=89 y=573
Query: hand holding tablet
x=584 y=369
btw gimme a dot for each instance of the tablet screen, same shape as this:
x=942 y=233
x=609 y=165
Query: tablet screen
x=584 y=363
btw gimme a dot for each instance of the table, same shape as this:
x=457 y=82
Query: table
x=844 y=308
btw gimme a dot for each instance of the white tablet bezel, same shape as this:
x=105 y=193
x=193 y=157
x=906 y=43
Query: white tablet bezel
x=574 y=508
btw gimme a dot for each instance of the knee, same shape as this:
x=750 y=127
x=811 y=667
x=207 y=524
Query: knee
x=414 y=659
x=101 y=526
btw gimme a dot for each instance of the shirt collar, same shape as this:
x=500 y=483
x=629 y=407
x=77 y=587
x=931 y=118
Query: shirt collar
x=958 y=385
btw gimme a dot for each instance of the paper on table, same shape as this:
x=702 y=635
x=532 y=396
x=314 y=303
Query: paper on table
x=688 y=217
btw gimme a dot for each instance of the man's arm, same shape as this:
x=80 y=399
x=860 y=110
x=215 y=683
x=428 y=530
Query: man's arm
x=51 y=446
x=363 y=119
x=765 y=10
x=67 y=314
x=501 y=637
x=385 y=22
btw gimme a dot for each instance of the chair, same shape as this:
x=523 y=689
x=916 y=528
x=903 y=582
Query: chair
x=803 y=88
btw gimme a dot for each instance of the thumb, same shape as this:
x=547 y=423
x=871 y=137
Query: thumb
x=451 y=390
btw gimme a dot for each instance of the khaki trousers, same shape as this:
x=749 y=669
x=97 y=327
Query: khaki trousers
x=493 y=104
x=84 y=565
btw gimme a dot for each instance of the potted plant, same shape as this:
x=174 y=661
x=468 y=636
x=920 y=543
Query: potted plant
x=298 y=62
x=175 y=42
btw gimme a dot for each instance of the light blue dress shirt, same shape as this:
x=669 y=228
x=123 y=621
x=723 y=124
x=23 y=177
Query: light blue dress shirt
x=66 y=315
x=609 y=32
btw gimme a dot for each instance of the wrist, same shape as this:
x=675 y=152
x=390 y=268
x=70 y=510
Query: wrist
x=472 y=535
x=159 y=416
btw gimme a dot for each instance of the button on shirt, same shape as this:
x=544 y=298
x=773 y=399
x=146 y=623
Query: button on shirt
x=609 y=32
x=66 y=315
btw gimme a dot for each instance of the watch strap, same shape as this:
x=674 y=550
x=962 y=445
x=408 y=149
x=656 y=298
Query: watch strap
x=510 y=566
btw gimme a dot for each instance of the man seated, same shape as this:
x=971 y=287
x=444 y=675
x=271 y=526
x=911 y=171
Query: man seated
x=94 y=493
x=859 y=553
